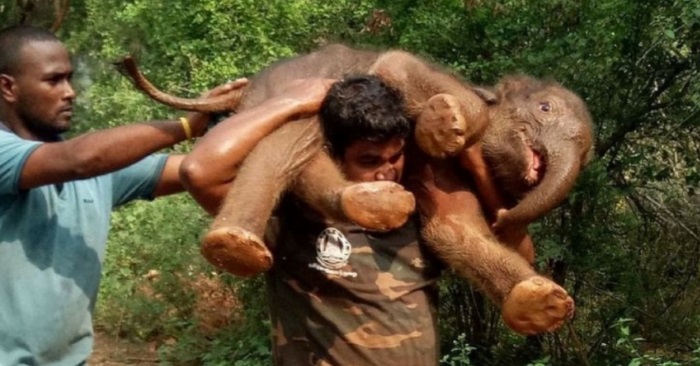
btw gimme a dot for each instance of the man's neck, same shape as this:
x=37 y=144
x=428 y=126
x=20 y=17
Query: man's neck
x=4 y=119
x=18 y=128
x=10 y=123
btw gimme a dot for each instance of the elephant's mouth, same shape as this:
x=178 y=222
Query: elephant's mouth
x=534 y=172
x=535 y=168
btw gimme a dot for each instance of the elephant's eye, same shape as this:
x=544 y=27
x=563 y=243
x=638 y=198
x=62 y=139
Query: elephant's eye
x=545 y=107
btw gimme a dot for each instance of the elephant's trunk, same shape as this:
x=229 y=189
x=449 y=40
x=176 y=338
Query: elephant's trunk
x=563 y=166
x=224 y=103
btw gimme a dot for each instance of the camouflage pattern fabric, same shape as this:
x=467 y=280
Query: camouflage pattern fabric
x=340 y=295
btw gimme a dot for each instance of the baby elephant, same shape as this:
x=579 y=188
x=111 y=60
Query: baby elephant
x=535 y=138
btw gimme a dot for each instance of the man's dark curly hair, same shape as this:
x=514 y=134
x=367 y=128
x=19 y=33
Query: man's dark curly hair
x=362 y=107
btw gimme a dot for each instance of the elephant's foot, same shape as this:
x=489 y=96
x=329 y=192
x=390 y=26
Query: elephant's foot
x=236 y=251
x=441 y=127
x=378 y=206
x=537 y=305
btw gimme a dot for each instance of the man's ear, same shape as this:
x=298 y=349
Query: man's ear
x=8 y=90
x=487 y=95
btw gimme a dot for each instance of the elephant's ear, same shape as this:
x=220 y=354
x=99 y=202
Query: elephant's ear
x=486 y=94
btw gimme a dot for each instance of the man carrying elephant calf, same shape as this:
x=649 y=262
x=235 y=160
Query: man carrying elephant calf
x=339 y=294
x=535 y=137
x=373 y=291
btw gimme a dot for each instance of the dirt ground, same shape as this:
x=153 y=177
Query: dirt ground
x=111 y=351
x=214 y=310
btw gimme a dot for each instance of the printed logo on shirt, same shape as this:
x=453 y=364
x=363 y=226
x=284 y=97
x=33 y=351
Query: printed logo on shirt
x=332 y=253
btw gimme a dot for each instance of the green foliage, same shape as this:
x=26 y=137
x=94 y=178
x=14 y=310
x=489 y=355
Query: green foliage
x=630 y=345
x=459 y=354
x=540 y=362
x=243 y=343
x=161 y=236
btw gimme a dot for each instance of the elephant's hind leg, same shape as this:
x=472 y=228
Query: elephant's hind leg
x=234 y=241
x=236 y=250
x=377 y=206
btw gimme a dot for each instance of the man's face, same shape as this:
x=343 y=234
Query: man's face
x=366 y=161
x=44 y=94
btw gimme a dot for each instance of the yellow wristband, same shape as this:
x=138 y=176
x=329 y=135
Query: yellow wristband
x=186 y=126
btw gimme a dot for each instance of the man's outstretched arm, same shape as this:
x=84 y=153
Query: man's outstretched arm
x=208 y=171
x=96 y=153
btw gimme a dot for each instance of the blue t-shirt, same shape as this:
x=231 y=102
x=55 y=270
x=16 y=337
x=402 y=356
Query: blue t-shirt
x=52 y=245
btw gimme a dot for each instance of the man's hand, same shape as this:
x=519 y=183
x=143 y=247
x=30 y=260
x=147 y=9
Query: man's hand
x=307 y=94
x=200 y=121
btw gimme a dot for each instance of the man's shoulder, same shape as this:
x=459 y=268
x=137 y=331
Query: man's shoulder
x=4 y=128
x=11 y=144
x=14 y=151
x=7 y=136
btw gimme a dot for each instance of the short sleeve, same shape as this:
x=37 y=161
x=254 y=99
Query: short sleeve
x=14 y=152
x=137 y=181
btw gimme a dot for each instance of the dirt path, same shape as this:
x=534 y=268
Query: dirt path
x=214 y=309
x=111 y=351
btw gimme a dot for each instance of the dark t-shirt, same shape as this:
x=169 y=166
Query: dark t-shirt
x=340 y=295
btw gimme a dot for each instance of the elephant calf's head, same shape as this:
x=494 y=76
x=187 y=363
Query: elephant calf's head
x=538 y=139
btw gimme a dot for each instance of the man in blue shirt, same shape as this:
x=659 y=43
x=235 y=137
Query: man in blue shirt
x=56 y=197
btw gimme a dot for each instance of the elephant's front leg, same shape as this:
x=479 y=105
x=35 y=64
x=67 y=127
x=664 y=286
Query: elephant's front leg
x=234 y=241
x=377 y=206
x=455 y=229
x=449 y=114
